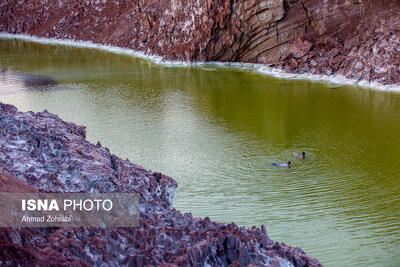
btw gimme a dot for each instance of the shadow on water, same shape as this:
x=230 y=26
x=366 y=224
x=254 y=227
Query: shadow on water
x=37 y=81
x=217 y=130
x=12 y=82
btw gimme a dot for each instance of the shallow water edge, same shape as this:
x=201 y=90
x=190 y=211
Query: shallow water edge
x=258 y=68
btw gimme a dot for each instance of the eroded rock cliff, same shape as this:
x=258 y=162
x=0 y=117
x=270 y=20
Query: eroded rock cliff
x=359 y=39
x=41 y=153
x=196 y=30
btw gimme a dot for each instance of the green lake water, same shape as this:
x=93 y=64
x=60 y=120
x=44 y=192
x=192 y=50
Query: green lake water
x=216 y=130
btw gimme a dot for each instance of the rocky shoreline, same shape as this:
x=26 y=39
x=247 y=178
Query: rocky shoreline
x=359 y=40
x=41 y=153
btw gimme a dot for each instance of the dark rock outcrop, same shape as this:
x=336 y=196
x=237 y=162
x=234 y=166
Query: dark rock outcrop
x=359 y=39
x=46 y=154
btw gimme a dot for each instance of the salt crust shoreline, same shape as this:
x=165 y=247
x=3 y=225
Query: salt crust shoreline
x=257 y=68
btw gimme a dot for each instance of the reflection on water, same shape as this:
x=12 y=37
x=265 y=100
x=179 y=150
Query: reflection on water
x=13 y=82
x=217 y=131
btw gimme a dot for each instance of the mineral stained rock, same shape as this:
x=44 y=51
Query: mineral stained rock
x=359 y=39
x=41 y=153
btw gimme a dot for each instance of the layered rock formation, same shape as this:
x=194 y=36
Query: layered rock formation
x=41 y=153
x=359 y=39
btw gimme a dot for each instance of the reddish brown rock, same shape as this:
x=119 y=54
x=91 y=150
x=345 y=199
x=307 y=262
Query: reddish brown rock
x=45 y=154
x=293 y=64
x=358 y=41
x=299 y=47
x=256 y=31
x=11 y=185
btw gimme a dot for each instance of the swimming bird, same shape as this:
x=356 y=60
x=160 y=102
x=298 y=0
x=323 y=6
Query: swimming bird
x=300 y=156
x=287 y=164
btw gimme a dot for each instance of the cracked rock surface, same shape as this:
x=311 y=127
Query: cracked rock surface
x=359 y=39
x=41 y=153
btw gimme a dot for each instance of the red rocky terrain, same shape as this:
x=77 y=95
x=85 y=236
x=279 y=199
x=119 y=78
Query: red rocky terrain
x=41 y=153
x=359 y=39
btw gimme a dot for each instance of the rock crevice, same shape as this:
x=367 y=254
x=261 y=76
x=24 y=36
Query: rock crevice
x=41 y=153
x=360 y=32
